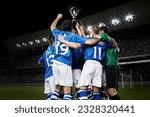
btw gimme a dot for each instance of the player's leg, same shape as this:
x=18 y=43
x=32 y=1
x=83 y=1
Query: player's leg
x=66 y=80
x=112 y=75
x=56 y=94
x=90 y=92
x=76 y=77
x=85 y=80
x=97 y=80
x=51 y=86
x=103 y=92
x=47 y=90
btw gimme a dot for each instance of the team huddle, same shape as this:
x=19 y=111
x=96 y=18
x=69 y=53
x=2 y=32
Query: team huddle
x=84 y=60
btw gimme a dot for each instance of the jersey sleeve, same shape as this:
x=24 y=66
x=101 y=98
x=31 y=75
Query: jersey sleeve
x=55 y=31
x=81 y=40
x=75 y=38
x=41 y=60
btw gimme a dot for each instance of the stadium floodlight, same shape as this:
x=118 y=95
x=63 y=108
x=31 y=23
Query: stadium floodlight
x=30 y=42
x=44 y=39
x=101 y=24
x=37 y=41
x=18 y=45
x=115 y=21
x=129 y=18
x=24 y=44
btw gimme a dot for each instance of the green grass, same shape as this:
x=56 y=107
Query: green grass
x=36 y=93
x=21 y=93
x=136 y=93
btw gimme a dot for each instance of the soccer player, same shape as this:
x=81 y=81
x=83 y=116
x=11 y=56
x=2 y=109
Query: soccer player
x=77 y=65
x=63 y=58
x=93 y=56
x=79 y=53
x=111 y=68
x=61 y=66
x=46 y=60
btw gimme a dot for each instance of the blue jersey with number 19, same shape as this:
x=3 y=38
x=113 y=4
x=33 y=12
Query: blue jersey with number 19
x=63 y=52
x=46 y=60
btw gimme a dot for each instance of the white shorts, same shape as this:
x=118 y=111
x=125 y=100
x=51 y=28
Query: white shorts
x=62 y=74
x=91 y=74
x=76 y=77
x=49 y=85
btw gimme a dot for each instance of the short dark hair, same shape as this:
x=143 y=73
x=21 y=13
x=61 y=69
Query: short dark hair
x=66 y=25
x=104 y=28
x=95 y=29
x=51 y=39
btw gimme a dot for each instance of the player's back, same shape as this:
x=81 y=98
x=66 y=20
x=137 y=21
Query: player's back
x=63 y=52
x=46 y=60
x=78 y=58
x=95 y=52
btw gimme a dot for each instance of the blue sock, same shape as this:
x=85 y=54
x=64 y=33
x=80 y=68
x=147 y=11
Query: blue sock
x=89 y=94
x=67 y=97
x=48 y=96
x=55 y=95
x=83 y=94
x=77 y=95
x=96 y=96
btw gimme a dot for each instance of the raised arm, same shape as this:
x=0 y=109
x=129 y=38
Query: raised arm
x=78 y=29
x=54 y=23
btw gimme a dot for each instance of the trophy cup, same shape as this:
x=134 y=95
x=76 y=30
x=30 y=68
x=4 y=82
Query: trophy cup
x=74 y=11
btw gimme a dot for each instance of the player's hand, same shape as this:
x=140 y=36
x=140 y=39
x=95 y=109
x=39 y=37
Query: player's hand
x=117 y=50
x=59 y=16
x=82 y=27
x=61 y=38
x=77 y=25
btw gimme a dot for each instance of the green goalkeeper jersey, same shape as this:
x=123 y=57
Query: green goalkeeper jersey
x=105 y=37
x=111 y=57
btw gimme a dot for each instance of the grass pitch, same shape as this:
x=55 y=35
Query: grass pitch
x=29 y=92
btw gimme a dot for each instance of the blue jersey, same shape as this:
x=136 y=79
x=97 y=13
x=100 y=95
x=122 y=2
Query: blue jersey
x=95 y=52
x=46 y=60
x=78 y=58
x=63 y=52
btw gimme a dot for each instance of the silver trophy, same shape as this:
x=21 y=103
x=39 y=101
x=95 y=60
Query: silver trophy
x=74 y=11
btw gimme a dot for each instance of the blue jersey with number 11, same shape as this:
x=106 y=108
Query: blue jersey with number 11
x=95 y=52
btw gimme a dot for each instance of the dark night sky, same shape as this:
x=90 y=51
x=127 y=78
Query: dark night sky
x=25 y=17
